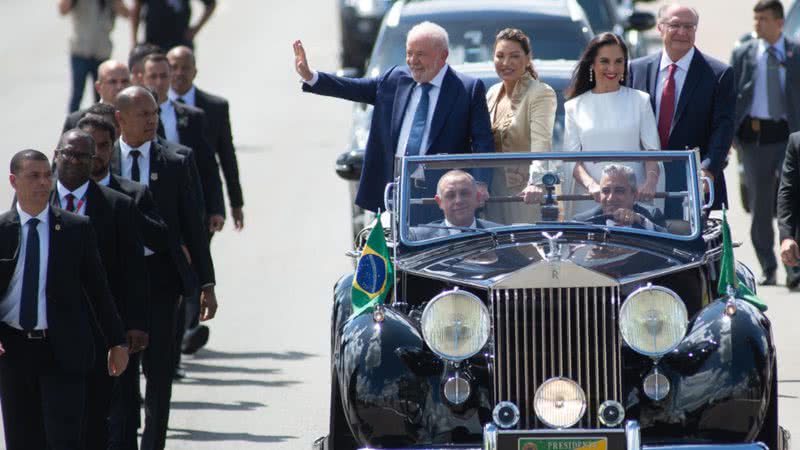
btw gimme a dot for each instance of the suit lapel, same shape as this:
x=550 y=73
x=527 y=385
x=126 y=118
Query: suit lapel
x=181 y=117
x=692 y=78
x=652 y=78
x=156 y=166
x=750 y=64
x=10 y=236
x=94 y=200
x=401 y=99
x=54 y=247
x=447 y=98
x=116 y=159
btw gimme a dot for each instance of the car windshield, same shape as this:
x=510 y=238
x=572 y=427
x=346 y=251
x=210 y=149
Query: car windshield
x=448 y=196
x=472 y=41
x=598 y=14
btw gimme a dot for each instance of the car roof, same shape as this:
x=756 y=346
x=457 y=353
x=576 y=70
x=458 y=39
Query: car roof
x=413 y=11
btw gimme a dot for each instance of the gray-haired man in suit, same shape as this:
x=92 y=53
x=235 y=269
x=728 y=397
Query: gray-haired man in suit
x=767 y=72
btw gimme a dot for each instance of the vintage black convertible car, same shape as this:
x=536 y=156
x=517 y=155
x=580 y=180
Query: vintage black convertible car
x=576 y=320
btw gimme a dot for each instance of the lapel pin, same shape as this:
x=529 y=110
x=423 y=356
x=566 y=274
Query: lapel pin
x=154 y=176
x=58 y=227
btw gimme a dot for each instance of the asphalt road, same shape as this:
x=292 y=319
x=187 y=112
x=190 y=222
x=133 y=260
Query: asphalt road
x=263 y=380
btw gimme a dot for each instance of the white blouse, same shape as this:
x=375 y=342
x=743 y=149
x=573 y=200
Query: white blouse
x=622 y=120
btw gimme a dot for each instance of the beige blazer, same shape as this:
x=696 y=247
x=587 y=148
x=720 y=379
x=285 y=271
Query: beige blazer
x=528 y=125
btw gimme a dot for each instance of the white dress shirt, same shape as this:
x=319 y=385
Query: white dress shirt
x=9 y=307
x=760 y=108
x=411 y=110
x=106 y=180
x=680 y=78
x=126 y=161
x=170 y=121
x=188 y=97
x=80 y=197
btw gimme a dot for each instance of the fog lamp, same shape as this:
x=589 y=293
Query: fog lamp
x=656 y=385
x=506 y=415
x=559 y=403
x=456 y=390
x=611 y=413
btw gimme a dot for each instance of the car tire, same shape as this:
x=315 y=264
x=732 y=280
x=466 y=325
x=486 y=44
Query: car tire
x=340 y=436
x=771 y=433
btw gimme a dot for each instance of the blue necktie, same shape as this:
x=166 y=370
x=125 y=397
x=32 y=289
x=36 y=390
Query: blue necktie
x=29 y=300
x=418 y=125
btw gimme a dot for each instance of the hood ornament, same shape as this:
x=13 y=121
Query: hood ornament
x=554 y=253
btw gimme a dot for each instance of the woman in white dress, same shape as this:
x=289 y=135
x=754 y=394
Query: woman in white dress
x=603 y=114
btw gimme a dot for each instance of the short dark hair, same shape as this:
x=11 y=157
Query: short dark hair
x=79 y=134
x=770 y=5
x=98 y=122
x=103 y=110
x=156 y=58
x=140 y=52
x=580 y=82
x=28 y=154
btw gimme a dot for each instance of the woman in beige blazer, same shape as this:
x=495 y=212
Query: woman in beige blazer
x=522 y=111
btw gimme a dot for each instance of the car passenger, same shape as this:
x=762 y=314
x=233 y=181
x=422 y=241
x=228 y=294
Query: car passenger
x=618 y=207
x=458 y=197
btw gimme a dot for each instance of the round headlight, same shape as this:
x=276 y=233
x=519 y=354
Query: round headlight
x=559 y=403
x=455 y=325
x=653 y=320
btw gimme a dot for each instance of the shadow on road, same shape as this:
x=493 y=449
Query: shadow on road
x=238 y=406
x=193 y=367
x=210 y=436
x=240 y=382
x=288 y=356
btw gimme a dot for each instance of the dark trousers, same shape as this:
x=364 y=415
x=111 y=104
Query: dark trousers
x=762 y=165
x=158 y=362
x=81 y=68
x=42 y=405
x=98 y=402
x=124 y=409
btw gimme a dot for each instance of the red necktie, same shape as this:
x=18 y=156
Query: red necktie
x=70 y=202
x=667 y=107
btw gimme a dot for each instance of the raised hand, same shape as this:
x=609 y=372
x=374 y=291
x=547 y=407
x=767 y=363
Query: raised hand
x=300 y=61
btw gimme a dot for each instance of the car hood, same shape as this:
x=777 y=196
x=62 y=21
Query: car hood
x=591 y=262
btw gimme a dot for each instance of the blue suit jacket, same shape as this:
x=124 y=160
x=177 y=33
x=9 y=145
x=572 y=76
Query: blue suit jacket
x=703 y=115
x=460 y=121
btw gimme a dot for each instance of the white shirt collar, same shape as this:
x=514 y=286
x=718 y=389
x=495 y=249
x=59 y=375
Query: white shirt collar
x=78 y=193
x=126 y=149
x=682 y=63
x=439 y=78
x=780 y=46
x=25 y=217
x=106 y=180
x=166 y=105
x=448 y=224
x=188 y=97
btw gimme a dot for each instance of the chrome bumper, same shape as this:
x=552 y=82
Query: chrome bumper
x=632 y=439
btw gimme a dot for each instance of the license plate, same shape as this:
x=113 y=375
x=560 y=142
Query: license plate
x=563 y=444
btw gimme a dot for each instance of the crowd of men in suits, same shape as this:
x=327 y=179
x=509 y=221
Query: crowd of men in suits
x=123 y=217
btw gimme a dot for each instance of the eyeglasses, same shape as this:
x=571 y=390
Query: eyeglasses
x=74 y=155
x=675 y=26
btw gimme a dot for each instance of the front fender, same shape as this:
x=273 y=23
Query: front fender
x=721 y=380
x=391 y=386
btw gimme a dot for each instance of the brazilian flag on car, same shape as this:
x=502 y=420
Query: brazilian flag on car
x=374 y=272
x=728 y=277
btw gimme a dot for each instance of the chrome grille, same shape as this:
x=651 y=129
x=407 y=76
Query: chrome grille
x=556 y=332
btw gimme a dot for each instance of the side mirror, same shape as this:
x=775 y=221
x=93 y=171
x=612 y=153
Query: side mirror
x=641 y=21
x=707 y=181
x=349 y=164
x=348 y=72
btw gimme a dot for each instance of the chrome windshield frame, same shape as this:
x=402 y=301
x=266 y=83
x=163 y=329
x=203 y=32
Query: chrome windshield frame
x=485 y=160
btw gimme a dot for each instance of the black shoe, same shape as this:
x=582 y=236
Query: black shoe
x=792 y=281
x=194 y=339
x=179 y=373
x=767 y=279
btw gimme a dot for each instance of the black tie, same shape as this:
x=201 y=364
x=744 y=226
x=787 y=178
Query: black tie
x=135 y=166
x=181 y=100
x=70 y=202
x=161 y=133
x=29 y=300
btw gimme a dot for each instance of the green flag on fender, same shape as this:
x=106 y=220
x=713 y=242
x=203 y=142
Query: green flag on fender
x=727 y=275
x=374 y=273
